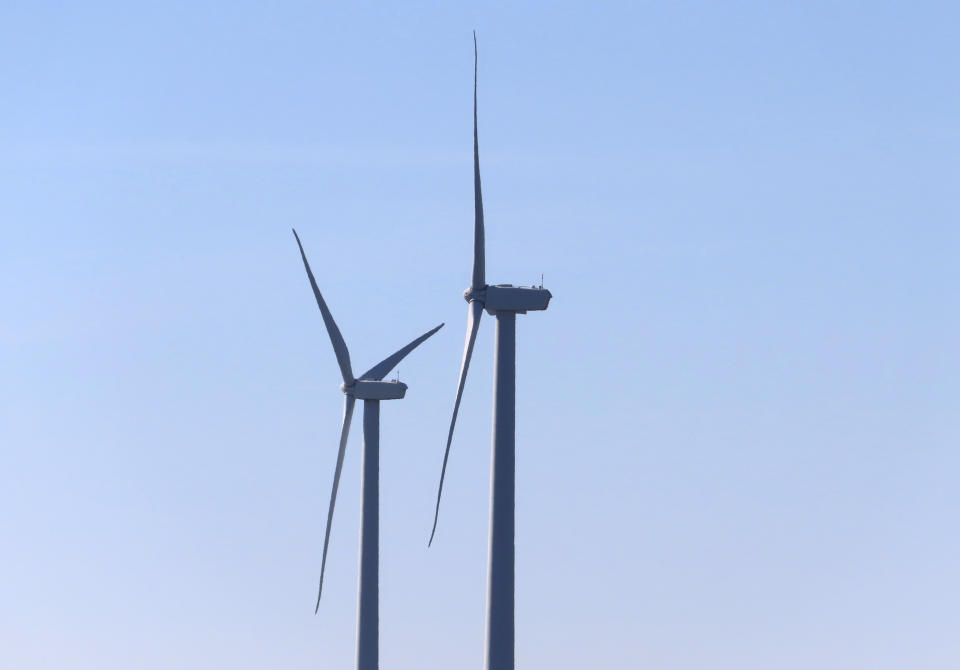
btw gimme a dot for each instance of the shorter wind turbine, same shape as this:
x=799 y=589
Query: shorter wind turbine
x=371 y=388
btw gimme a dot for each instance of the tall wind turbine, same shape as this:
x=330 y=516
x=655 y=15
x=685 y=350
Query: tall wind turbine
x=370 y=388
x=504 y=301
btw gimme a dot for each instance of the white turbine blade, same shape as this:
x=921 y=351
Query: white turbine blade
x=339 y=346
x=383 y=368
x=479 y=262
x=473 y=324
x=344 y=432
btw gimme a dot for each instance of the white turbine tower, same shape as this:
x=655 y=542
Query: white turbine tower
x=370 y=388
x=503 y=301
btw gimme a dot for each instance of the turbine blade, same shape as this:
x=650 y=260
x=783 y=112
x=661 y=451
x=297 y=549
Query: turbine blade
x=383 y=368
x=336 y=339
x=473 y=324
x=479 y=261
x=347 y=415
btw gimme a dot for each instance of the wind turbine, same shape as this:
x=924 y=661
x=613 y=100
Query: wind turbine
x=370 y=388
x=504 y=301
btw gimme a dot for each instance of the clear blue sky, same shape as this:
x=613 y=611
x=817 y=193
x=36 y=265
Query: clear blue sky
x=738 y=423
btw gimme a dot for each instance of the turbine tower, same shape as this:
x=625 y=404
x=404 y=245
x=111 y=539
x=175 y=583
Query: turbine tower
x=370 y=388
x=504 y=301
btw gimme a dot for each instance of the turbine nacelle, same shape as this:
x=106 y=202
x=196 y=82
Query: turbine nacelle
x=369 y=389
x=510 y=298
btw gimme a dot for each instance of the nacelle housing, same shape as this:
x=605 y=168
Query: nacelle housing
x=522 y=299
x=369 y=389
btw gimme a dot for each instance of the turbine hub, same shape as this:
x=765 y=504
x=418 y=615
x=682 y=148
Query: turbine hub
x=479 y=294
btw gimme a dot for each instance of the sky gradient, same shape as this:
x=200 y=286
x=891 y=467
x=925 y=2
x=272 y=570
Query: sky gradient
x=737 y=424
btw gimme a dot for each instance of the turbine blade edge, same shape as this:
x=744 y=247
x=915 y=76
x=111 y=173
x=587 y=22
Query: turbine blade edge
x=479 y=261
x=344 y=433
x=383 y=368
x=473 y=324
x=336 y=339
